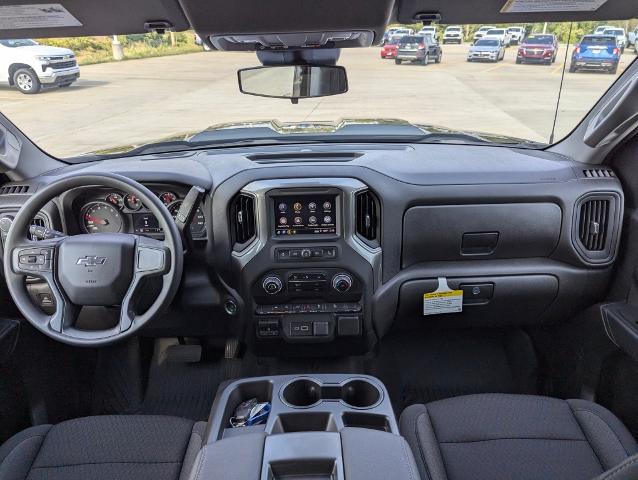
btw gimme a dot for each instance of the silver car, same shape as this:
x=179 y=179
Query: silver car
x=487 y=50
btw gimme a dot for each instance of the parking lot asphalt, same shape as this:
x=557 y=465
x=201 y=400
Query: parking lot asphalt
x=138 y=101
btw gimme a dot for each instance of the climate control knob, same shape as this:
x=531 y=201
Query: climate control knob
x=342 y=282
x=272 y=285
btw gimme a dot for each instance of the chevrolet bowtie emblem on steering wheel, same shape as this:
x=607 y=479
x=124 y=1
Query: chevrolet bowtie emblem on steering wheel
x=91 y=261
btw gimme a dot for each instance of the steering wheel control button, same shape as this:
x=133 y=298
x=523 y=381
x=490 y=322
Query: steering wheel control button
x=342 y=282
x=272 y=285
x=150 y=259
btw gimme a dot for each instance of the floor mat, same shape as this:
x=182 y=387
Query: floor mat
x=187 y=389
x=426 y=366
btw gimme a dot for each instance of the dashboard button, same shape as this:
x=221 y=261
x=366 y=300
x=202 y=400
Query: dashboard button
x=295 y=253
x=283 y=254
x=306 y=253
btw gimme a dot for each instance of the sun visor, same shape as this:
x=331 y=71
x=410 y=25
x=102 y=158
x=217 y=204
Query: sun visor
x=74 y=18
x=517 y=11
x=259 y=24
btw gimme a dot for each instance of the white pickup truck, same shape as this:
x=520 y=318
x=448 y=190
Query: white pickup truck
x=632 y=37
x=29 y=66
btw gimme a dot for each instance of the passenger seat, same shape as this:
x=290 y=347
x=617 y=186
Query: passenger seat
x=518 y=437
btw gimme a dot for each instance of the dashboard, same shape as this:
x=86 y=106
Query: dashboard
x=325 y=249
x=98 y=210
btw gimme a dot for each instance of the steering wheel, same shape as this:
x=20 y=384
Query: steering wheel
x=100 y=269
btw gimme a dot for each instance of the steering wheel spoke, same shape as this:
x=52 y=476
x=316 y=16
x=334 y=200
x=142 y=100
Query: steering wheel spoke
x=152 y=259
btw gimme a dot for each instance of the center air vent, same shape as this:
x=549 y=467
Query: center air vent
x=367 y=216
x=596 y=226
x=242 y=217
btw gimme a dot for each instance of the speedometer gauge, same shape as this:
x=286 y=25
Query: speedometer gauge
x=101 y=217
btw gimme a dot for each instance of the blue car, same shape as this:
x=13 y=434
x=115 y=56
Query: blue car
x=596 y=52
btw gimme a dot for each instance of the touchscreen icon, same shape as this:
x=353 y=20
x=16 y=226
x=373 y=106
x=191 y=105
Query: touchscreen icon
x=327 y=219
x=312 y=206
x=327 y=205
x=297 y=206
x=312 y=219
x=283 y=220
x=282 y=207
x=298 y=220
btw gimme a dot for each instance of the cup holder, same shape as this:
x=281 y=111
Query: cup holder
x=302 y=393
x=356 y=393
x=360 y=394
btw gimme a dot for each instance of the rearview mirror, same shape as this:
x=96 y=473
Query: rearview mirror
x=293 y=81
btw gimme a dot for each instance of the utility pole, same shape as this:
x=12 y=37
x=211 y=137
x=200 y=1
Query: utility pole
x=545 y=28
x=118 y=53
x=173 y=39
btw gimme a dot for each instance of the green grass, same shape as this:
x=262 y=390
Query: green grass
x=136 y=51
x=90 y=50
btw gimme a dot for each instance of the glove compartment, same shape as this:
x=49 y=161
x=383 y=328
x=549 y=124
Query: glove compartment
x=462 y=232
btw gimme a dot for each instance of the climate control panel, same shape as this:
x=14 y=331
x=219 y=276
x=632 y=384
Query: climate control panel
x=308 y=305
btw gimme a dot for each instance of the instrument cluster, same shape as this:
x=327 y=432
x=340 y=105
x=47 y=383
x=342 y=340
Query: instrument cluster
x=115 y=212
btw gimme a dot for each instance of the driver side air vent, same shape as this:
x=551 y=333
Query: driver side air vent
x=596 y=225
x=367 y=217
x=242 y=217
x=13 y=189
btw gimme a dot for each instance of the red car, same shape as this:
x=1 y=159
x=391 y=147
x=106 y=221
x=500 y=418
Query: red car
x=389 y=50
x=538 y=48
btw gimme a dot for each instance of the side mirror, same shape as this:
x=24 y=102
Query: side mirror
x=293 y=81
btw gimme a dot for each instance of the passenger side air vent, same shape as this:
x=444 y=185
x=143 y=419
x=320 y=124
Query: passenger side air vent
x=242 y=217
x=599 y=173
x=13 y=189
x=596 y=225
x=593 y=224
x=367 y=217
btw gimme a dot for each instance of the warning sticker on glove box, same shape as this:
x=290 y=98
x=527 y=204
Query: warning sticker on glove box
x=41 y=15
x=443 y=300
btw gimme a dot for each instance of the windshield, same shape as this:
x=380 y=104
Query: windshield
x=598 y=40
x=18 y=43
x=172 y=88
x=453 y=29
x=495 y=32
x=617 y=33
x=485 y=42
x=540 y=39
x=411 y=39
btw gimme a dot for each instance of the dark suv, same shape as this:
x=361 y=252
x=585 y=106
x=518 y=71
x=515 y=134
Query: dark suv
x=418 y=49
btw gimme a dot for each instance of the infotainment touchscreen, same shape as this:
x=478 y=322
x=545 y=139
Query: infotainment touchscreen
x=305 y=214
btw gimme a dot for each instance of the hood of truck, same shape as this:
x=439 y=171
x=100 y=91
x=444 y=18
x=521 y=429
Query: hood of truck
x=44 y=50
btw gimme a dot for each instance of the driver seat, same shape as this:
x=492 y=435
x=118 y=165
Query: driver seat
x=122 y=447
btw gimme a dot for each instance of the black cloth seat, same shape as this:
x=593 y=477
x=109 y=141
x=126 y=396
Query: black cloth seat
x=119 y=447
x=514 y=437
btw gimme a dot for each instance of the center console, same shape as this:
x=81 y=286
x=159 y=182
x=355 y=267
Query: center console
x=331 y=426
x=308 y=277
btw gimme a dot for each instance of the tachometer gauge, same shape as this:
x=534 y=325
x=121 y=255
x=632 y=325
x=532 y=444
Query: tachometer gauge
x=115 y=199
x=101 y=217
x=132 y=202
x=167 y=198
x=198 y=224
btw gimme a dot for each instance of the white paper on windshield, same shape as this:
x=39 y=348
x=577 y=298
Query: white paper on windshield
x=531 y=6
x=42 y=15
